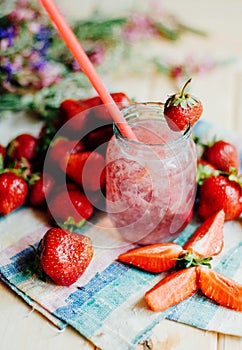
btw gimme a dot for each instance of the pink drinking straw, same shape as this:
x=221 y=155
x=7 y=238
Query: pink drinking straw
x=77 y=51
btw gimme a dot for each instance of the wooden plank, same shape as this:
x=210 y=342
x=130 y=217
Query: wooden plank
x=226 y=342
x=169 y=335
x=24 y=328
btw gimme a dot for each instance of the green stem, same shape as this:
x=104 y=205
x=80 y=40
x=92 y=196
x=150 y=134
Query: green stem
x=184 y=87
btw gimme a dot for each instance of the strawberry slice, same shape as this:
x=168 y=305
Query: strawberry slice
x=220 y=288
x=172 y=289
x=207 y=240
x=154 y=258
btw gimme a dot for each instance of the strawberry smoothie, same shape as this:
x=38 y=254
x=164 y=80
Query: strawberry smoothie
x=150 y=184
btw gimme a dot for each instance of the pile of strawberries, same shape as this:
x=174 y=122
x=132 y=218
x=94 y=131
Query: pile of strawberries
x=219 y=185
x=39 y=169
x=62 y=171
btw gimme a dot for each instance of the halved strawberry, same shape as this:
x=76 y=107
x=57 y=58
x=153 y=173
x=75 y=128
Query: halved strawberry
x=154 y=258
x=172 y=289
x=222 y=289
x=207 y=240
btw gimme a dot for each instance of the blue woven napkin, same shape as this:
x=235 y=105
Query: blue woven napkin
x=106 y=304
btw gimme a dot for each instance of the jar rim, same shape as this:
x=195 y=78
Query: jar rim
x=160 y=106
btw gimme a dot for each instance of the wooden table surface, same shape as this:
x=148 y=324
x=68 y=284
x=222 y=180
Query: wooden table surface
x=221 y=93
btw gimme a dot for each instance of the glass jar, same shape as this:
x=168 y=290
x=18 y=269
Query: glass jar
x=150 y=183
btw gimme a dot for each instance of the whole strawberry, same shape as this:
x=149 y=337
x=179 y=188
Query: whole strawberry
x=220 y=192
x=40 y=186
x=182 y=108
x=13 y=192
x=222 y=155
x=61 y=148
x=86 y=169
x=70 y=208
x=64 y=255
x=23 y=145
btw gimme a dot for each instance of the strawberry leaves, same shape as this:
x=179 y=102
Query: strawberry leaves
x=189 y=259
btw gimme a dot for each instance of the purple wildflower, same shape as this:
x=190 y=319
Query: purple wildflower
x=97 y=55
x=7 y=69
x=43 y=36
x=139 y=27
x=36 y=60
x=75 y=66
x=8 y=33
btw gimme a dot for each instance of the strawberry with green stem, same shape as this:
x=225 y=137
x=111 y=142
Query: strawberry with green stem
x=13 y=192
x=222 y=155
x=70 y=208
x=220 y=191
x=40 y=186
x=65 y=255
x=182 y=109
x=23 y=145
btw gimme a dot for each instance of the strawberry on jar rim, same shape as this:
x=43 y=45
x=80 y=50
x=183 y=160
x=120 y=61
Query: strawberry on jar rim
x=182 y=109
